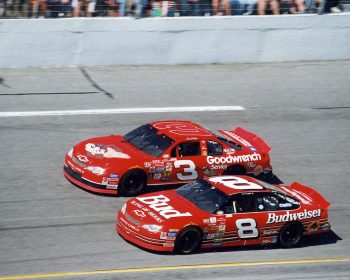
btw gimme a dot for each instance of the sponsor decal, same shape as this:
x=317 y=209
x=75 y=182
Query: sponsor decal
x=112 y=187
x=252 y=149
x=147 y=164
x=104 y=151
x=82 y=158
x=146 y=210
x=139 y=213
x=288 y=217
x=258 y=169
x=270 y=232
x=269 y=240
x=163 y=235
x=167 y=171
x=114 y=176
x=299 y=195
x=166 y=156
x=159 y=204
x=251 y=164
x=129 y=225
x=206 y=221
x=238 y=138
x=285 y=205
x=191 y=138
x=168 y=244
x=215 y=167
x=222 y=228
x=233 y=159
x=229 y=151
x=172 y=234
x=154 y=216
x=212 y=220
x=210 y=235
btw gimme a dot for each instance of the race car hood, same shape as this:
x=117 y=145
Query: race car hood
x=107 y=150
x=161 y=208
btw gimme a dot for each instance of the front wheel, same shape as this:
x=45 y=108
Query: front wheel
x=188 y=240
x=133 y=182
x=291 y=235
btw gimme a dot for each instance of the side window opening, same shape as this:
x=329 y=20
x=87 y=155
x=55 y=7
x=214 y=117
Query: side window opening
x=243 y=203
x=189 y=149
x=271 y=202
x=214 y=148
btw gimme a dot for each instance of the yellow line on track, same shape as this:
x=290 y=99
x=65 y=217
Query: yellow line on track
x=167 y=268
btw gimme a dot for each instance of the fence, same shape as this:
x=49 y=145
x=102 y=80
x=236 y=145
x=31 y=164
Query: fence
x=183 y=40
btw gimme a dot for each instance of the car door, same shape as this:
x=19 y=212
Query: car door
x=189 y=162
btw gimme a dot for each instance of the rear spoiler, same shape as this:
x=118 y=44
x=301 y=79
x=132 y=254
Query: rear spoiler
x=247 y=138
x=309 y=194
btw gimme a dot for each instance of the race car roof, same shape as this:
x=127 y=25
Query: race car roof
x=230 y=184
x=180 y=130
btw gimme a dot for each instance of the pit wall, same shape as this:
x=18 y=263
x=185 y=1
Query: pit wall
x=184 y=40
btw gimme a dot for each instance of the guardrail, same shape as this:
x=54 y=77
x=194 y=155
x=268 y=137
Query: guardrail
x=184 y=40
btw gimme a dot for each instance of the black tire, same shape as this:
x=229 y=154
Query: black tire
x=235 y=170
x=188 y=240
x=290 y=235
x=133 y=182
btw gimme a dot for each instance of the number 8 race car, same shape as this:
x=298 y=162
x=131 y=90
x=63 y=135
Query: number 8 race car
x=163 y=152
x=223 y=211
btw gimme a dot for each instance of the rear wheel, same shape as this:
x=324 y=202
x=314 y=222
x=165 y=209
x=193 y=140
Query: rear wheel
x=133 y=182
x=235 y=170
x=291 y=235
x=188 y=240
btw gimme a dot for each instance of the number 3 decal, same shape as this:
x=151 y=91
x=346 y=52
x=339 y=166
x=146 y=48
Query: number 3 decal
x=247 y=228
x=189 y=169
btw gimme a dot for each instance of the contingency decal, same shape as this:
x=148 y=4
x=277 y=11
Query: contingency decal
x=101 y=150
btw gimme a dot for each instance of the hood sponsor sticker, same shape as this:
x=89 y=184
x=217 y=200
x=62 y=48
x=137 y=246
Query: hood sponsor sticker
x=159 y=204
x=104 y=151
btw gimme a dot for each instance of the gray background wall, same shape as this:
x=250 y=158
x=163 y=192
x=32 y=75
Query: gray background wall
x=127 y=41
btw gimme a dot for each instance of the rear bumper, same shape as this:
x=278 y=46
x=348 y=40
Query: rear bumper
x=140 y=239
x=77 y=179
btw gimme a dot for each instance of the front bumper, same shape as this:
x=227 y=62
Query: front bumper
x=76 y=178
x=132 y=234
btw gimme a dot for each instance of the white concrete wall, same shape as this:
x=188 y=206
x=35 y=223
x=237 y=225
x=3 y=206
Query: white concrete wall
x=125 y=41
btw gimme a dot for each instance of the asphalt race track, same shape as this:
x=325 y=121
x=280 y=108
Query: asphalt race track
x=51 y=228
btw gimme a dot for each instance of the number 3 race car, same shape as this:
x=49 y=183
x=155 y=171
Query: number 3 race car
x=223 y=211
x=164 y=152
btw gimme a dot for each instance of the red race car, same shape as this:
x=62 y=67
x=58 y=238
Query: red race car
x=223 y=211
x=164 y=152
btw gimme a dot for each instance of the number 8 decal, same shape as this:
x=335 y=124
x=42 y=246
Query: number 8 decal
x=247 y=228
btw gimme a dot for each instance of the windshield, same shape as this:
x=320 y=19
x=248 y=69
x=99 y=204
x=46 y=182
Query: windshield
x=277 y=191
x=228 y=141
x=146 y=139
x=204 y=196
